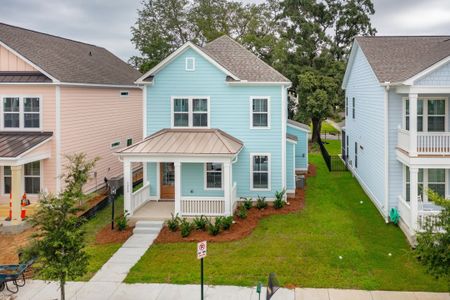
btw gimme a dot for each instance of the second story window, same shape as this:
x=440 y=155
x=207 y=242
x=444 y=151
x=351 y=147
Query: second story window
x=190 y=112
x=260 y=114
x=21 y=113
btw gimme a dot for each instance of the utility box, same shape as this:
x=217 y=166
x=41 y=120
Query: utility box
x=300 y=181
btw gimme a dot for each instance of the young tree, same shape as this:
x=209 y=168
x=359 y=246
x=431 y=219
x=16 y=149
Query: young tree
x=58 y=244
x=433 y=247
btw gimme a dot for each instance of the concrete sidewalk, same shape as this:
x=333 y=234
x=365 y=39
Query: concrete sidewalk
x=40 y=290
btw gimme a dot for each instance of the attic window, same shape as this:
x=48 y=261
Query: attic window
x=190 y=64
x=123 y=93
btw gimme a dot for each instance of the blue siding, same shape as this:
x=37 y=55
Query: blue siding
x=229 y=111
x=290 y=168
x=440 y=77
x=301 y=149
x=367 y=129
x=152 y=178
x=193 y=181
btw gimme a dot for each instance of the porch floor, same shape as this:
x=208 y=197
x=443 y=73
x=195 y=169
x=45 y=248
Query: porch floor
x=154 y=211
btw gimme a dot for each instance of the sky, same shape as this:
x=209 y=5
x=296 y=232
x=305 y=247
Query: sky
x=107 y=23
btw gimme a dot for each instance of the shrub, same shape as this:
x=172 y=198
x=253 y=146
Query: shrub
x=242 y=212
x=226 y=222
x=200 y=223
x=279 y=199
x=122 y=222
x=247 y=202
x=214 y=228
x=261 y=202
x=185 y=228
x=173 y=223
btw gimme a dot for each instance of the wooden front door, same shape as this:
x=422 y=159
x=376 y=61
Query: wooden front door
x=167 y=181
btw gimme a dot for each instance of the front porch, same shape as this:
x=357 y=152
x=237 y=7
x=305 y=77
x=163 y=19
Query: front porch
x=190 y=176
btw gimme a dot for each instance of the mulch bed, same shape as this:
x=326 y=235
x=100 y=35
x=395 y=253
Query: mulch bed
x=108 y=236
x=312 y=170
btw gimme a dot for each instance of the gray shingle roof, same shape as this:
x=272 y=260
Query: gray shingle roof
x=68 y=60
x=241 y=62
x=398 y=58
x=12 y=144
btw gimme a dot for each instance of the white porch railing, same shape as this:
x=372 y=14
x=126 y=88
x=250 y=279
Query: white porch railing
x=427 y=142
x=430 y=216
x=234 y=197
x=404 y=211
x=199 y=206
x=139 y=197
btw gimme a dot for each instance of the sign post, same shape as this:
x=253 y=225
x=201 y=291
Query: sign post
x=201 y=253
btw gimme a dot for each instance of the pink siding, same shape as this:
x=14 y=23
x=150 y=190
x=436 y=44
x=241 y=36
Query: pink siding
x=47 y=94
x=10 y=62
x=93 y=118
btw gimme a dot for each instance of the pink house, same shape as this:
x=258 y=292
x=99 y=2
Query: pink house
x=58 y=97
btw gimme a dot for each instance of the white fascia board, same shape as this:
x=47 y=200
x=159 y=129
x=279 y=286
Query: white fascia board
x=177 y=52
x=28 y=62
x=350 y=62
x=298 y=127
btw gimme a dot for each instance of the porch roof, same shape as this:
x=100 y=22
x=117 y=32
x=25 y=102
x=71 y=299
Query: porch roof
x=15 y=144
x=192 y=141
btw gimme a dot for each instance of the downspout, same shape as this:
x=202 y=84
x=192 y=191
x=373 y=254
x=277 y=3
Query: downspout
x=386 y=151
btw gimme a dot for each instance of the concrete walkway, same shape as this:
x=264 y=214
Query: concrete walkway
x=118 y=266
x=40 y=290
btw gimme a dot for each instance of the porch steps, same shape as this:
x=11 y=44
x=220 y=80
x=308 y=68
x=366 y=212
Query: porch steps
x=148 y=227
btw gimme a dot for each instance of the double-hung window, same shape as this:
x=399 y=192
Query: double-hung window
x=436 y=115
x=419 y=184
x=31 y=176
x=213 y=176
x=260 y=172
x=190 y=112
x=428 y=179
x=430 y=115
x=260 y=112
x=21 y=113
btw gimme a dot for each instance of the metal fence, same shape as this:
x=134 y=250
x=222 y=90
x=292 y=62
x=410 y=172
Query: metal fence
x=333 y=162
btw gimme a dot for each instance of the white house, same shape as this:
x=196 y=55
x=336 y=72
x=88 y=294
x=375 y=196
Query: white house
x=397 y=139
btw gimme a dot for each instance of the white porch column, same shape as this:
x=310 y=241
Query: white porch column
x=16 y=193
x=413 y=191
x=412 y=124
x=227 y=187
x=177 y=166
x=127 y=186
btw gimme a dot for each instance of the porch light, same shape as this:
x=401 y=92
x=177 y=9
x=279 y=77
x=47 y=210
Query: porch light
x=112 y=185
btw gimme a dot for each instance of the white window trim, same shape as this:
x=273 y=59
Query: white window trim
x=251 y=112
x=269 y=170
x=186 y=67
x=115 y=141
x=206 y=179
x=425 y=111
x=190 y=111
x=41 y=182
x=425 y=183
x=21 y=113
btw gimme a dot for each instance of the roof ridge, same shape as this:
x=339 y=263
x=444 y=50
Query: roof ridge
x=49 y=34
x=219 y=135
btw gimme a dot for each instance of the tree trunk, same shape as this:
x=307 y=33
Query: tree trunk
x=61 y=286
x=316 y=124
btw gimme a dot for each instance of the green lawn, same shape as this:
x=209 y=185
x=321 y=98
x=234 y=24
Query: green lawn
x=333 y=146
x=303 y=249
x=327 y=128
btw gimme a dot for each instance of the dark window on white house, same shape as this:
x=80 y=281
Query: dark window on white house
x=353 y=107
x=356 y=155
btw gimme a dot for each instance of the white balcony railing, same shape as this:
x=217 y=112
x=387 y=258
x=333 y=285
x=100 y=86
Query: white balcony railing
x=427 y=142
x=139 y=197
x=425 y=216
x=404 y=210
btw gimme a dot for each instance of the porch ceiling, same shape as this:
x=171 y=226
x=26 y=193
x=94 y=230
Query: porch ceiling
x=193 y=141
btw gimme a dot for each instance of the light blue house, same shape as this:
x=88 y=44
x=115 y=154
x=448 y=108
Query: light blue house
x=215 y=130
x=397 y=139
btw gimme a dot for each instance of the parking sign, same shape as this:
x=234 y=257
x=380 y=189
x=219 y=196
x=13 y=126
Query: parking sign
x=201 y=250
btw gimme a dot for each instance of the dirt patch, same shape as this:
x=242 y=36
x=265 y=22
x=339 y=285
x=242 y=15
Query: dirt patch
x=107 y=236
x=240 y=229
x=312 y=170
x=10 y=245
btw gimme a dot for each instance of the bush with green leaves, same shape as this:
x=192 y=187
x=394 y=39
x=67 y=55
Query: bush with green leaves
x=227 y=222
x=261 y=202
x=279 y=199
x=185 y=227
x=247 y=202
x=200 y=223
x=242 y=212
x=122 y=222
x=214 y=228
x=173 y=223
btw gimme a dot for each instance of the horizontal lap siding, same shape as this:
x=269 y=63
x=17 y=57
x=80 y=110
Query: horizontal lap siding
x=301 y=149
x=440 y=77
x=48 y=94
x=368 y=127
x=93 y=118
x=193 y=181
x=229 y=111
x=395 y=167
x=290 y=168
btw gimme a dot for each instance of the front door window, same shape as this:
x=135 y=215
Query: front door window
x=167 y=187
